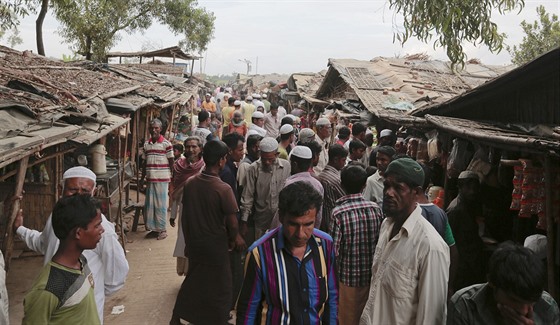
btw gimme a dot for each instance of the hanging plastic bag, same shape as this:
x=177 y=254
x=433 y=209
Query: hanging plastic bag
x=458 y=158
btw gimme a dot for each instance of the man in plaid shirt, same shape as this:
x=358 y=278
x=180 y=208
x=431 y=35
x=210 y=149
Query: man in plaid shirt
x=354 y=226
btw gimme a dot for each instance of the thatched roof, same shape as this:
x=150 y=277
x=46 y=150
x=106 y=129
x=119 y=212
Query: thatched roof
x=389 y=86
x=169 y=52
x=528 y=94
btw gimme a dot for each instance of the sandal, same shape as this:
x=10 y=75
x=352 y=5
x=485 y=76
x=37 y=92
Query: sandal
x=162 y=235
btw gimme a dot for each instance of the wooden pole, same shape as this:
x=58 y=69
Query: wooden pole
x=137 y=117
x=120 y=173
x=550 y=228
x=15 y=210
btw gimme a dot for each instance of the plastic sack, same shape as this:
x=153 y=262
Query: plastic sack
x=458 y=158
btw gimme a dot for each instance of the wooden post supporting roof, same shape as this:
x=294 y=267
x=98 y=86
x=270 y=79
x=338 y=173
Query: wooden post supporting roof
x=551 y=265
x=15 y=210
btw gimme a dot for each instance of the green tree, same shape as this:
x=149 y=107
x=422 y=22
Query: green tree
x=453 y=22
x=94 y=26
x=540 y=37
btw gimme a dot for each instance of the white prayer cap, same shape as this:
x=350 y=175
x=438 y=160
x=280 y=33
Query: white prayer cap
x=323 y=121
x=79 y=172
x=257 y=96
x=252 y=132
x=537 y=243
x=257 y=114
x=286 y=128
x=208 y=94
x=264 y=96
x=269 y=144
x=302 y=152
x=306 y=135
x=237 y=103
x=385 y=133
x=249 y=98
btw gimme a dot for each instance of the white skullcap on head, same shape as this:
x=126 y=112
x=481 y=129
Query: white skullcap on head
x=249 y=98
x=237 y=103
x=293 y=117
x=252 y=132
x=302 y=152
x=269 y=144
x=286 y=128
x=537 y=243
x=208 y=94
x=257 y=96
x=385 y=133
x=258 y=103
x=323 y=121
x=79 y=172
x=257 y=114
x=264 y=96
x=306 y=135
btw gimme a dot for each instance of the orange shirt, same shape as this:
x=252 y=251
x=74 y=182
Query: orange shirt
x=209 y=106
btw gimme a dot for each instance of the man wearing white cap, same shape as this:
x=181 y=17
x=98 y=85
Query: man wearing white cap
x=463 y=213
x=300 y=162
x=272 y=122
x=266 y=103
x=106 y=262
x=323 y=136
x=286 y=140
x=385 y=138
x=258 y=123
x=207 y=104
x=264 y=180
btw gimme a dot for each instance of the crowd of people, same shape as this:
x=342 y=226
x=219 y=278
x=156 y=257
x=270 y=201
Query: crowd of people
x=290 y=219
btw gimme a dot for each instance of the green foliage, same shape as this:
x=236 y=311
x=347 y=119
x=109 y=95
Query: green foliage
x=94 y=26
x=540 y=37
x=12 y=10
x=453 y=22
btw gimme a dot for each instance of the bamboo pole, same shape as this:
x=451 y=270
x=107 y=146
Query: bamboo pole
x=15 y=210
x=120 y=170
x=550 y=228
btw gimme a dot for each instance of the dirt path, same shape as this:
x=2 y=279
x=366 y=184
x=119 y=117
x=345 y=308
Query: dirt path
x=148 y=295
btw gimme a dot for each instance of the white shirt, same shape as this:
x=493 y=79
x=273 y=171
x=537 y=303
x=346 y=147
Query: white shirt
x=260 y=131
x=323 y=156
x=374 y=188
x=410 y=274
x=4 y=304
x=106 y=262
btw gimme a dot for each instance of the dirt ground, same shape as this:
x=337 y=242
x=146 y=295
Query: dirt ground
x=148 y=295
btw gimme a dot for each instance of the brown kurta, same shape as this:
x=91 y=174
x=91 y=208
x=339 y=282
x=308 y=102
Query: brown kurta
x=205 y=295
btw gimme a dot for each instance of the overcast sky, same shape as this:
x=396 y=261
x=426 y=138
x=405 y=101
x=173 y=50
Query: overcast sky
x=295 y=35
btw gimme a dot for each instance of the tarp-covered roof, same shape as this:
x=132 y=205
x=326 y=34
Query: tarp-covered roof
x=169 y=52
x=389 y=86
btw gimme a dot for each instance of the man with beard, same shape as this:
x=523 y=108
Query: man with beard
x=210 y=229
x=462 y=213
x=374 y=184
x=411 y=262
x=323 y=137
x=185 y=167
x=265 y=179
x=258 y=123
x=156 y=170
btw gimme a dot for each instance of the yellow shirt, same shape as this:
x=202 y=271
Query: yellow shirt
x=209 y=106
x=227 y=113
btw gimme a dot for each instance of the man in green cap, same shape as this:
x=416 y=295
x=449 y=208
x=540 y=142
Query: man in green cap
x=411 y=262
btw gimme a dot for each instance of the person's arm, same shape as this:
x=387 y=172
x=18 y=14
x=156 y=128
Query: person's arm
x=237 y=242
x=331 y=307
x=114 y=261
x=368 y=190
x=35 y=240
x=432 y=288
x=247 y=198
x=38 y=307
x=454 y=258
x=249 y=303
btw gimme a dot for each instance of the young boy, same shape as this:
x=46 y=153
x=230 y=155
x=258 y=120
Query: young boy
x=63 y=292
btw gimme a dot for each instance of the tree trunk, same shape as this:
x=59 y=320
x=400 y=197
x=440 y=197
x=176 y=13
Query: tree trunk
x=88 y=48
x=39 y=26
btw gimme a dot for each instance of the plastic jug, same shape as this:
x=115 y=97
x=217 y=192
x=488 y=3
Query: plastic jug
x=440 y=200
x=98 y=165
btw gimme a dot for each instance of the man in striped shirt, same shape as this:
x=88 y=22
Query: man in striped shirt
x=355 y=226
x=158 y=163
x=290 y=271
x=330 y=179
